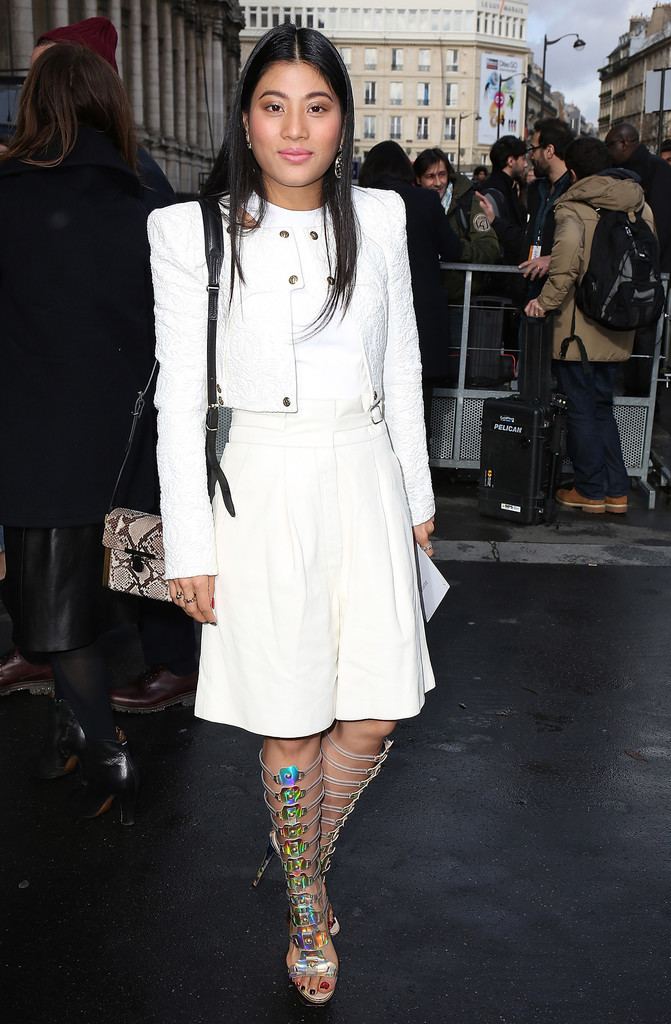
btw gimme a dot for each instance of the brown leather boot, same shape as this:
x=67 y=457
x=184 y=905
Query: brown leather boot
x=18 y=674
x=154 y=690
x=572 y=498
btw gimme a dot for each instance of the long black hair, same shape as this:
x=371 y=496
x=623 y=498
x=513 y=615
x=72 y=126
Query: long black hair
x=386 y=160
x=237 y=174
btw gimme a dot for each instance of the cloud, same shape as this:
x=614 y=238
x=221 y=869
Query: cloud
x=575 y=72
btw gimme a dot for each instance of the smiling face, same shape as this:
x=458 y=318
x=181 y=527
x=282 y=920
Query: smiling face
x=294 y=124
x=435 y=177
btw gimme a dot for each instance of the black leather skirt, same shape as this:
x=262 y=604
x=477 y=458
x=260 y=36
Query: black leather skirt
x=53 y=589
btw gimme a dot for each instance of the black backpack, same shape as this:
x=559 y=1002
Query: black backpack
x=621 y=288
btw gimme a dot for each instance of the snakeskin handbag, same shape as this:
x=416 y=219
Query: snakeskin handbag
x=133 y=541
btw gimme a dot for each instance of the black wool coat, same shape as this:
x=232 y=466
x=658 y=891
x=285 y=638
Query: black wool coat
x=655 y=175
x=430 y=240
x=76 y=336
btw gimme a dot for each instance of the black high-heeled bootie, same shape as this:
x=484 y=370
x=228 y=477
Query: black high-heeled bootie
x=64 y=743
x=109 y=774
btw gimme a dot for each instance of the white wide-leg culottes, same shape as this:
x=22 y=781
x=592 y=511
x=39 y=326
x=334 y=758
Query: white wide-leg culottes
x=317 y=603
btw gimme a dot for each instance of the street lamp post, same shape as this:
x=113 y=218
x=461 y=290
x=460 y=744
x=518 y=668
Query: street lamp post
x=477 y=117
x=578 y=45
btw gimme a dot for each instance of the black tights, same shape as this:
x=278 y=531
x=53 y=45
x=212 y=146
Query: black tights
x=81 y=679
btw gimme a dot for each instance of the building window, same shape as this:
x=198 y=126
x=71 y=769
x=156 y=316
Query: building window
x=286 y=15
x=452 y=95
x=395 y=94
x=275 y=16
x=310 y=18
x=369 y=126
x=369 y=92
x=422 y=128
x=450 y=128
x=252 y=17
x=395 y=126
x=423 y=94
x=346 y=54
x=264 y=17
x=451 y=60
x=396 y=59
x=424 y=60
x=369 y=59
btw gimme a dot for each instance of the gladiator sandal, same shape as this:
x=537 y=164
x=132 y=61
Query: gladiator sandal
x=343 y=785
x=295 y=813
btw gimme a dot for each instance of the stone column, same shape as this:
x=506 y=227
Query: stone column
x=180 y=79
x=90 y=8
x=150 y=79
x=217 y=100
x=115 y=18
x=59 y=13
x=23 y=33
x=207 y=87
x=135 y=86
x=167 y=71
x=191 y=86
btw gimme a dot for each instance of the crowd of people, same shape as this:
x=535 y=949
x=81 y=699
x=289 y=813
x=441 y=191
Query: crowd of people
x=305 y=585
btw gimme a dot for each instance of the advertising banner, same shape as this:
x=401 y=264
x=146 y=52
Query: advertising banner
x=500 y=96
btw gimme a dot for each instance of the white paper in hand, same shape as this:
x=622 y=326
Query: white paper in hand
x=432 y=584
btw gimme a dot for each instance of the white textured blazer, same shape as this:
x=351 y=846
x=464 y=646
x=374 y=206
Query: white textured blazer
x=256 y=367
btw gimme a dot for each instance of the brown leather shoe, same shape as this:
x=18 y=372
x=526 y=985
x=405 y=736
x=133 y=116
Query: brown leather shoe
x=571 y=498
x=154 y=690
x=18 y=674
x=617 y=505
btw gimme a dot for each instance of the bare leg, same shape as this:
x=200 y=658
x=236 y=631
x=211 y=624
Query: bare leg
x=295 y=807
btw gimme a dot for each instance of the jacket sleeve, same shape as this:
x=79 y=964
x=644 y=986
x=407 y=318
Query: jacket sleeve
x=481 y=244
x=566 y=261
x=402 y=371
x=180 y=294
x=659 y=199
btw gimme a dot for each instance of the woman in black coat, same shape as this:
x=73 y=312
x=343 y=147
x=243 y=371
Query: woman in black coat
x=76 y=347
x=430 y=240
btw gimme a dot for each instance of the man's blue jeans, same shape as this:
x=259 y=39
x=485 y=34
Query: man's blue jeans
x=593 y=440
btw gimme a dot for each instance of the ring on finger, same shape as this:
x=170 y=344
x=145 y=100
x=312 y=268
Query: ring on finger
x=190 y=600
x=179 y=594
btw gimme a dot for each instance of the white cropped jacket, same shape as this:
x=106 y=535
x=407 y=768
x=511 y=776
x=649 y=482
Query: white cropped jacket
x=255 y=358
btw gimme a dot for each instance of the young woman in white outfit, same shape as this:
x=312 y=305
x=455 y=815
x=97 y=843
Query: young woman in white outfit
x=315 y=637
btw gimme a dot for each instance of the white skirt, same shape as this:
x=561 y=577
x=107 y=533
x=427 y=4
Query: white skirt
x=317 y=604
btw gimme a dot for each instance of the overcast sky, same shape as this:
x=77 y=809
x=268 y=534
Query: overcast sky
x=600 y=23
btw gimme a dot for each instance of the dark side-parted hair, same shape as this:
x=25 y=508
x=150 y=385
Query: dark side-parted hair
x=554 y=132
x=427 y=158
x=67 y=86
x=507 y=145
x=237 y=175
x=587 y=156
x=386 y=160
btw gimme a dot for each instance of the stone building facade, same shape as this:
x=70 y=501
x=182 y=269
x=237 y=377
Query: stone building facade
x=179 y=60
x=416 y=71
x=645 y=46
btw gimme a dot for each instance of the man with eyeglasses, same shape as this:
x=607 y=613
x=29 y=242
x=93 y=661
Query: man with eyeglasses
x=546 y=152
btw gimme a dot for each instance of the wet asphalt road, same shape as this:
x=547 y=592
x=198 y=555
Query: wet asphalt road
x=510 y=865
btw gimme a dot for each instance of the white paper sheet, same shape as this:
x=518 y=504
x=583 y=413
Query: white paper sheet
x=432 y=584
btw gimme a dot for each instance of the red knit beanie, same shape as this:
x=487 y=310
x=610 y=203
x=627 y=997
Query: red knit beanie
x=99 y=34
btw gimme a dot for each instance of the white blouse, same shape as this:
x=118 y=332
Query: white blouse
x=329 y=361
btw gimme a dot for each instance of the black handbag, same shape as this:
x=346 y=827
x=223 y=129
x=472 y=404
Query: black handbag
x=133 y=540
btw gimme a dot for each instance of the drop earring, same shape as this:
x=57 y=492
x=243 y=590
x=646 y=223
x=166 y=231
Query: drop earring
x=337 y=167
x=249 y=145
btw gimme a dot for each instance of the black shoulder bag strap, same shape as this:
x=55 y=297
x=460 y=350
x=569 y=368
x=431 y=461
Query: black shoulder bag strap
x=137 y=413
x=214 y=253
x=587 y=369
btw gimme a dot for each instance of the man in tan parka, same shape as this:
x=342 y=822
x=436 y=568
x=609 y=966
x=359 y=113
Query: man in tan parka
x=601 y=481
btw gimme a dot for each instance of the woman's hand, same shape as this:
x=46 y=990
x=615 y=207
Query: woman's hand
x=534 y=308
x=422 y=534
x=487 y=207
x=195 y=596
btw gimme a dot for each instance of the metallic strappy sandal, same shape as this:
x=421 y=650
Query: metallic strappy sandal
x=343 y=785
x=295 y=814
x=273 y=851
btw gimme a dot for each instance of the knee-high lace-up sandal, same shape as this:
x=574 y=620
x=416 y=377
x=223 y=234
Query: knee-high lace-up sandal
x=343 y=785
x=273 y=851
x=295 y=812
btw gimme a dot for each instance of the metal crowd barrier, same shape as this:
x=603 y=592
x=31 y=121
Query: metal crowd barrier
x=456 y=412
